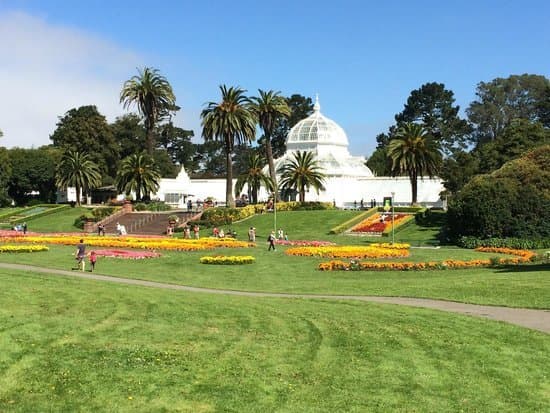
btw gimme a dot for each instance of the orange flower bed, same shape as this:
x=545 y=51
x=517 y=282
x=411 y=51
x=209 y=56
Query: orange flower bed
x=374 y=223
x=348 y=252
x=522 y=256
x=175 y=244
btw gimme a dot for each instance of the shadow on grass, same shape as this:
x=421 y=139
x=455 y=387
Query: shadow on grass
x=524 y=268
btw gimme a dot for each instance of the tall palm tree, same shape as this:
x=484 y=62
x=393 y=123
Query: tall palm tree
x=153 y=96
x=138 y=173
x=269 y=108
x=254 y=177
x=415 y=153
x=300 y=173
x=230 y=120
x=76 y=169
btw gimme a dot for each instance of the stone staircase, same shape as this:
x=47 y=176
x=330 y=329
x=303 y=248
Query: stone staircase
x=145 y=223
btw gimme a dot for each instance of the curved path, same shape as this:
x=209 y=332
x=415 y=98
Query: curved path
x=533 y=319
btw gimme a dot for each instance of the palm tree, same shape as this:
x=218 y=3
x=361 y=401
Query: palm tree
x=300 y=173
x=254 y=177
x=76 y=169
x=138 y=173
x=270 y=107
x=153 y=96
x=230 y=120
x=415 y=153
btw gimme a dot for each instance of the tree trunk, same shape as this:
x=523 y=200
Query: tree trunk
x=77 y=188
x=302 y=196
x=271 y=163
x=229 y=200
x=150 y=139
x=414 y=188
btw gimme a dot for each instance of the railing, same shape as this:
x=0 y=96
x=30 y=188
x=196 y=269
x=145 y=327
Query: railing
x=150 y=217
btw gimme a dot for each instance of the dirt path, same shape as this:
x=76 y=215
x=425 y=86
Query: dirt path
x=533 y=319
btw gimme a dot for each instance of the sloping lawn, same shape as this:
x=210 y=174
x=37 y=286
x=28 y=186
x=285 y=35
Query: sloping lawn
x=80 y=346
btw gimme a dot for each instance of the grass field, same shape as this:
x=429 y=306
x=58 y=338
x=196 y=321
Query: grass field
x=79 y=346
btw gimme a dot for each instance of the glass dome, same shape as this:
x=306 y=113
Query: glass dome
x=316 y=129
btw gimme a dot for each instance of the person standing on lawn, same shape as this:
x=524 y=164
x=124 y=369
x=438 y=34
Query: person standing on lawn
x=93 y=259
x=271 y=241
x=80 y=255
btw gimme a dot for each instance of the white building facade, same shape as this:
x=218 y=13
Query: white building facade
x=348 y=180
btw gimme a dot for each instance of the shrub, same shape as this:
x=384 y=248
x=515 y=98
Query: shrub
x=226 y=216
x=511 y=202
x=516 y=243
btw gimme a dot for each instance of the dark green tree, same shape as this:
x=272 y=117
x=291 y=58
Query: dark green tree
x=209 y=160
x=33 y=170
x=154 y=98
x=5 y=174
x=85 y=130
x=415 y=153
x=501 y=101
x=177 y=142
x=78 y=170
x=129 y=134
x=301 y=172
x=230 y=121
x=139 y=174
x=517 y=138
x=457 y=170
x=378 y=162
x=434 y=107
x=254 y=177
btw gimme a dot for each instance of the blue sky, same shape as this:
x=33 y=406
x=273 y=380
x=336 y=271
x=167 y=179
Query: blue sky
x=363 y=58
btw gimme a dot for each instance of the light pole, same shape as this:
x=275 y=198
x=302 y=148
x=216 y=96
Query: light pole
x=275 y=210
x=392 y=218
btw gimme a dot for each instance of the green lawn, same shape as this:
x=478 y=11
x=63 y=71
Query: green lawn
x=80 y=346
x=61 y=221
x=526 y=286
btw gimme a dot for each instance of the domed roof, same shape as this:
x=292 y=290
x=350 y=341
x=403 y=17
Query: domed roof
x=316 y=129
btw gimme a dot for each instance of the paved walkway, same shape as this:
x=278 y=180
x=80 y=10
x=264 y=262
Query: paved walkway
x=533 y=319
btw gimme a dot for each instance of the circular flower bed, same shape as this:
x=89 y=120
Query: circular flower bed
x=132 y=255
x=22 y=248
x=228 y=260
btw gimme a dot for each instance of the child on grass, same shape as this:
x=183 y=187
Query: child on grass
x=93 y=259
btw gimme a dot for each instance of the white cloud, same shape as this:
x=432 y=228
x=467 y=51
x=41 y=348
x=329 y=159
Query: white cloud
x=46 y=69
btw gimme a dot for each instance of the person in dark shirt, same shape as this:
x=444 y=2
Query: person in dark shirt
x=80 y=255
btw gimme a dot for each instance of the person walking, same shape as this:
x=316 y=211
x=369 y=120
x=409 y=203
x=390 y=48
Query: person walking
x=196 y=230
x=271 y=241
x=24 y=228
x=80 y=255
x=93 y=259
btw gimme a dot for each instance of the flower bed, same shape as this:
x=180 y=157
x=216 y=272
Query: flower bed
x=22 y=248
x=176 y=244
x=374 y=224
x=132 y=255
x=521 y=256
x=304 y=243
x=348 y=252
x=228 y=260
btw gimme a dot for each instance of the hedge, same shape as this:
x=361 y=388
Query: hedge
x=515 y=243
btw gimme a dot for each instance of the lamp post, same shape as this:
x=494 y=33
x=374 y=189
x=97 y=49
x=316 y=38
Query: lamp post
x=392 y=218
x=275 y=210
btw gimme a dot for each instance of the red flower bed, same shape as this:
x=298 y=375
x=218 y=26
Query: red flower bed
x=132 y=255
x=373 y=224
x=304 y=243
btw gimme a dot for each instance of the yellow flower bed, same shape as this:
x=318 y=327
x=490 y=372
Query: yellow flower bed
x=522 y=256
x=228 y=260
x=22 y=248
x=176 y=244
x=348 y=251
x=390 y=245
